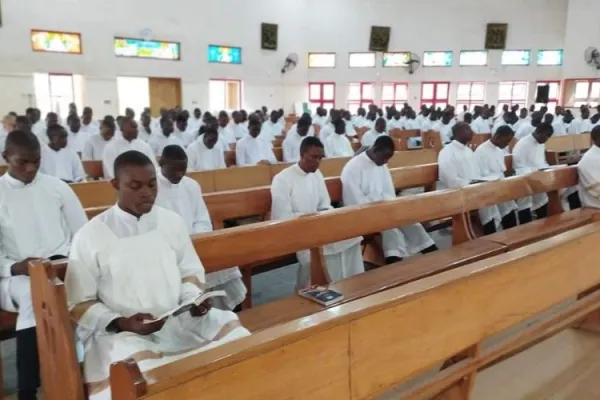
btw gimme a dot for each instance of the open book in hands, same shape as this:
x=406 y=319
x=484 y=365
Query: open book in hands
x=186 y=306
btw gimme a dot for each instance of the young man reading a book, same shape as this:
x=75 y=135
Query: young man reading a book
x=183 y=195
x=300 y=189
x=131 y=264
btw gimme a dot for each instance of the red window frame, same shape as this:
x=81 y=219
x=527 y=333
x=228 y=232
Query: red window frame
x=321 y=101
x=470 y=102
x=396 y=101
x=435 y=100
x=361 y=101
x=513 y=100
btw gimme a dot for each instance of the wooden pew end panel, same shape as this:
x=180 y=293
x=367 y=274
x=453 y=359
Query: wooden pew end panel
x=127 y=381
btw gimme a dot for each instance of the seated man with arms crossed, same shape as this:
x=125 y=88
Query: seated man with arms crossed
x=130 y=264
x=183 y=195
x=366 y=179
x=300 y=189
x=39 y=215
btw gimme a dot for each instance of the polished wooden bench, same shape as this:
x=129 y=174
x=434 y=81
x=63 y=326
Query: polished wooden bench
x=559 y=148
x=366 y=347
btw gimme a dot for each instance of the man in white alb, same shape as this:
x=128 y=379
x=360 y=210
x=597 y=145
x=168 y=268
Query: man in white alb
x=251 y=149
x=589 y=173
x=338 y=144
x=370 y=136
x=581 y=124
x=321 y=117
x=225 y=132
x=134 y=263
x=205 y=153
x=237 y=126
x=292 y=141
x=77 y=136
x=183 y=195
x=93 y=149
x=444 y=127
x=365 y=179
x=528 y=126
x=271 y=128
x=39 y=215
x=164 y=137
x=145 y=131
x=300 y=189
x=490 y=157
x=529 y=155
x=128 y=140
x=58 y=159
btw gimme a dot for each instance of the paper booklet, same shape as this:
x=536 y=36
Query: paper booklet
x=322 y=295
x=186 y=306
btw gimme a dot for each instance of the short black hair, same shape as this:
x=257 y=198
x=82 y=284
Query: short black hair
x=338 y=122
x=504 y=130
x=110 y=122
x=21 y=140
x=384 y=142
x=309 y=142
x=56 y=128
x=304 y=121
x=181 y=117
x=596 y=134
x=22 y=119
x=72 y=117
x=131 y=157
x=174 y=152
x=546 y=127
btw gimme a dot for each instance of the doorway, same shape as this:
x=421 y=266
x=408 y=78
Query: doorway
x=225 y=94
x=164 y=92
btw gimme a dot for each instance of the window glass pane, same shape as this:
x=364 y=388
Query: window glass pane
x=553 y=93
x=478 y=91
x=367 y=91
x=125 y=47
x=595 y=92
x=520 y=91
x=358 y=60
x=427 y=90
x=505 y=91
x=427 y=104
x=328 y=91
x=473 y=58
x=387 y=91
x=440 y=105
x=549 y=57
x=580 y=103
x=321 y=60
x=581 y=90
x=354 y=91
x=441 y=91
x=515 y=57
x=401 y=92
x=353 y=107
x=464 y=91
x=314 y=91
x=437 y=59
x=328 y=106
x=398 y=59
x=59 y=42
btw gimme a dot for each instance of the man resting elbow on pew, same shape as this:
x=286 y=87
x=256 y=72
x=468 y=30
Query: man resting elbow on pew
x=39 y=214
x=459 y=167
x=183 y=195
x=130 y=264
x=365 y=179
x=300 y=189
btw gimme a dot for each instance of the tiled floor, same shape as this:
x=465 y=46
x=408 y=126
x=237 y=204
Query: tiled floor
x=267 y=287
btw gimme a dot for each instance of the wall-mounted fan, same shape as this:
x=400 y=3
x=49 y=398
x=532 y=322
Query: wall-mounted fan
x=290 y=63
x=413 y=63
x=592 y=57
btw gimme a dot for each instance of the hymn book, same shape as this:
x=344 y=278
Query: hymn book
x=188 y=305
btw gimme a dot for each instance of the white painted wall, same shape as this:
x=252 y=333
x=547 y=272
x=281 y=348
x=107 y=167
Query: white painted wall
x=341 y=26
x=582 y=31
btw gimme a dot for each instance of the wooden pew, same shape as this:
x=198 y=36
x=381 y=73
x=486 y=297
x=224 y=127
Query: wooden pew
x=93 y=169
x=361 y=131
x=330 y=227
x=479 y=139
x=401 y=137
x=558 y=148
x=332 y=354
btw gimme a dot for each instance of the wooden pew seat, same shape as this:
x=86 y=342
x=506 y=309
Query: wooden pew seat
x=544 y=228
x=375 y=281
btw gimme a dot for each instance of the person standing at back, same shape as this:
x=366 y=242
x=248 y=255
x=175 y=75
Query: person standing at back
x=128 y=140
x=39 y=215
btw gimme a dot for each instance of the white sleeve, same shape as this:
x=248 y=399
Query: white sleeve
x=78 y=171
x=202 y=222
x=240 y=155
x=281 y=204
x=71 y=208
x=270 y=154
x=188 y=262
x=81 y=283
x=324 y=199
x=108 y=164
x=389 y=192
x=5 y=263
x=221 y=161
x=191 y=155
x=448 y=171
x=287 y=156
x=88 y=150
x=351 y=192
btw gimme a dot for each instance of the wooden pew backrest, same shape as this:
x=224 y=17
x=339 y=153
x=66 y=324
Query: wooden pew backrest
x=206 y=180
x=331 y=354
x=93 y=169
x=95 y=194
x=242 y=177
x=412 y=158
